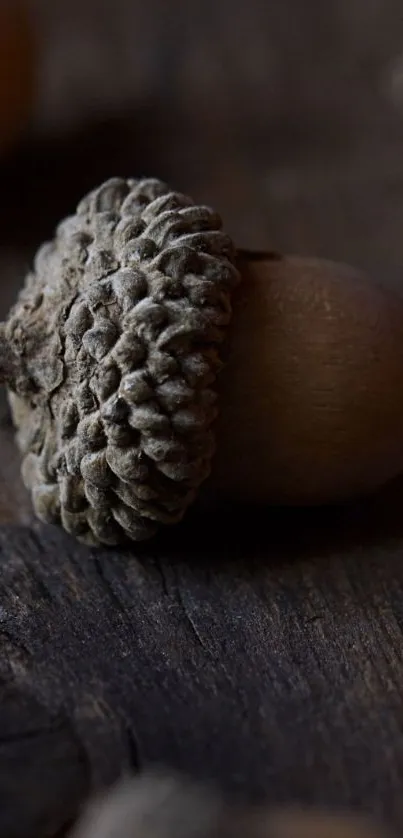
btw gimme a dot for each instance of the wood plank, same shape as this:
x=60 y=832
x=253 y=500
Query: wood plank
x=268 y=658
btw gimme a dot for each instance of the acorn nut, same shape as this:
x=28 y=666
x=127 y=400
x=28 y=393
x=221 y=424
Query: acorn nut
x=311 y=399
x=111 y=355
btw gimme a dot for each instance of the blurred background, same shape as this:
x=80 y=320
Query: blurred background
x=285 y=115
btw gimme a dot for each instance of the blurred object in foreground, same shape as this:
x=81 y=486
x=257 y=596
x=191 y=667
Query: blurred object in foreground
x=166 y=806
x=17 y=70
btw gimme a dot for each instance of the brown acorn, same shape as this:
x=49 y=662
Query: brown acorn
x=113 y=347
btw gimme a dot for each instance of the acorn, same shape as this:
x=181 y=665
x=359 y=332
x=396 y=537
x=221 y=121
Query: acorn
x=112 y=352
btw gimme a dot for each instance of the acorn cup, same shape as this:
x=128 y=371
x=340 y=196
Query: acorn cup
x=112 y=351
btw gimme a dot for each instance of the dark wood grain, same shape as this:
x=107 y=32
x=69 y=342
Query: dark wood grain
x=267 y=657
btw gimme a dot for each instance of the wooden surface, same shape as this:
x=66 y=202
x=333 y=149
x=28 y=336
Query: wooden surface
x=267 y=657
x=261 y=648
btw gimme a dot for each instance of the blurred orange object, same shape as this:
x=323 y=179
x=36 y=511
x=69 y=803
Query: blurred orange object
x=17 y=66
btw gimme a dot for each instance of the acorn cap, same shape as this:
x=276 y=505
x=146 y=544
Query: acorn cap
x=111 y=353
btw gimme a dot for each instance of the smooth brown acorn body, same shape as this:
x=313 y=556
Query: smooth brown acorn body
x=312 y=395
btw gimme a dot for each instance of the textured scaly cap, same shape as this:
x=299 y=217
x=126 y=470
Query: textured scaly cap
x=114 y=345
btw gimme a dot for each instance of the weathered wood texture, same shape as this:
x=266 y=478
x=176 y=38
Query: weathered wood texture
x=267 y=657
